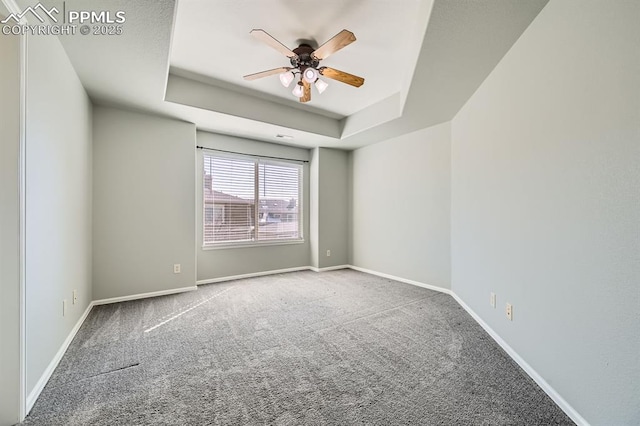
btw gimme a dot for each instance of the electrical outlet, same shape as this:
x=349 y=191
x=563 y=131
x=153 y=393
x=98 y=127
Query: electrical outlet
x=328 y=253
x=509 y=312
x=176 y=268
x=64 y=307
x=492 y=301
x=75 y=296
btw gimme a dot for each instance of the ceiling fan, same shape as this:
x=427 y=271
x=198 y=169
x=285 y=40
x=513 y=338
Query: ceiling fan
x=305 y=61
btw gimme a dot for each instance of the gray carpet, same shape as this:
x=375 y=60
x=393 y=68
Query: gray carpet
x=308 y=348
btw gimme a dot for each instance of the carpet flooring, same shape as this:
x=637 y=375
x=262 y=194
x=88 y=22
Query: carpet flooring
x=302 y=348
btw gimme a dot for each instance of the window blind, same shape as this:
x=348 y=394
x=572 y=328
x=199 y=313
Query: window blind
x=249 y=199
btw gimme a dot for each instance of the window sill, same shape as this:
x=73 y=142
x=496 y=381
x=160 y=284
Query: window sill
x=225 y=246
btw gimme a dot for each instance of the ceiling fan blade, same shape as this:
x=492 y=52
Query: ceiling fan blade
x=306 y=95
x=267 y=73
x=342 y=76
x=337 y=42
x=265 y=37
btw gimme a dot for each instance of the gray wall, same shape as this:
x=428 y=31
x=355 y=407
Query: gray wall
x=545 y=203
x=314 y=193
x=9 y=228
x=144 y=203
x=217 y=263
x=58 y=202
x=401 y=206
x=330 y=212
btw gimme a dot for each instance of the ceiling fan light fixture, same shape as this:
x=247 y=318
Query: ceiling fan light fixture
x=321 y=85
x=305 y=64
x=310 y=75
x=286 y=78
x=298 y=90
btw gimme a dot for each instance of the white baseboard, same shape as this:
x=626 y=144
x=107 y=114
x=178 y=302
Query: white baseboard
x=546 y=387
x=35 y=393
x=402 y=280
x=329 y=268
x=252 y=275
x=143 y=295
x=272 y=272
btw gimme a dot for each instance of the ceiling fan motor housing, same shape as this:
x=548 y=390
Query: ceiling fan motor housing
x=305 y=58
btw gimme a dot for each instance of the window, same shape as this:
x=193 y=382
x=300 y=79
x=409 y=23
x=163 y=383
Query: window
x=238 y=189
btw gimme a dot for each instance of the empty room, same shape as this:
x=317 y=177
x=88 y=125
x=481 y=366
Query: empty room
x=285 y=212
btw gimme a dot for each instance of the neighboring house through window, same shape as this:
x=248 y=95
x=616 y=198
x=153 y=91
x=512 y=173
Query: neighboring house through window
x=238 y=189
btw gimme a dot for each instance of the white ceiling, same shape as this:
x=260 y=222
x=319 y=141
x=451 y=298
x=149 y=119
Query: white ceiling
x=212 y=39
x=446 y=51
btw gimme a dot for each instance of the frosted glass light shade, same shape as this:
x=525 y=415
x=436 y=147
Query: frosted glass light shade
x=310 y=75
x=297 y=91
x=321 y=85
x=286 y=78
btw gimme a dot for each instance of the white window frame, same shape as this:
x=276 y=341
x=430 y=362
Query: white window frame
x=255 y=243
